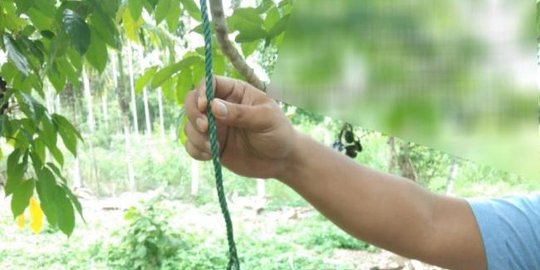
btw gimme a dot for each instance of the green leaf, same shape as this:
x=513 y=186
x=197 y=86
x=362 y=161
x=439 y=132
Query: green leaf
x=271 y=18
x=39 y=149
x=46 y=189
x=69 y=71
x=57 y=154
x=173 y=16
x=15 y=55
x=15 y=171
x=106 y=29
x=251 y=36
x=75 y=201
x=265 y=6
x=192 y=9
x=57 y=79
x=279 y=27
x=135 y=7
x=168 y=72
x=48 y=131
x=183 y=85
x=77 y=30
x=249 y=47
x=23 y=5
x=250 y=15
x=66 y=215
x=40 y=20
x=162 y=9
x=63 y=123
x=21 y=197
x=145 y=79
x=131 y=26
x=69 y=139
x=97 y=54
x=67 y=132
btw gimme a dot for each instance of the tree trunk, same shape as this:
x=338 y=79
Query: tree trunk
x=161 y=120
x=147 y=113
x=132 y=185
x=57 y=104
x=393 y=154
x=105 y=108
x=261 y=188
x=406 y=166
x=452 y=175
x=195 y=177
x=49 y=98
x=88 y=96
x=77 y=180
x=121 y=91
x=400 y=159
x=71 y=98
x=132 y=90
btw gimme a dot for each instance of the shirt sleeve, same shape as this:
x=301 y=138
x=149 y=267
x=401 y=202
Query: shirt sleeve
x=510 y=229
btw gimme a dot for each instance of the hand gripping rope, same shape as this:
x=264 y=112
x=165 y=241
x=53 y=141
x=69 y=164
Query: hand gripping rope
x=233 y=264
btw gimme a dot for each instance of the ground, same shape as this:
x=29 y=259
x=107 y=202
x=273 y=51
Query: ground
x=21 y=249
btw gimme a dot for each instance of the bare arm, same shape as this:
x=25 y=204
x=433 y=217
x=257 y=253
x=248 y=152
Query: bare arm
x=257 y=140
x=386 y=210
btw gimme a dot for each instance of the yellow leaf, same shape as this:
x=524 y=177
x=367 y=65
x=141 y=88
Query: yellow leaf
x=20 y=221
x=36 y=216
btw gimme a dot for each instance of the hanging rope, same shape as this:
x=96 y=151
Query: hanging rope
x=233 y=264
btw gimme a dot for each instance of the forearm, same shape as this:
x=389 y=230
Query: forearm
x=385 y=210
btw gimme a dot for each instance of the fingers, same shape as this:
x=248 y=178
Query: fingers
x=197 y=145
x=227 y=89
x=196 y=154
x=196 y=117
x=256 y=118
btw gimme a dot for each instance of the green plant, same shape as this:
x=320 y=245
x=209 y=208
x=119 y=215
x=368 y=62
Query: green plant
x=148 y=241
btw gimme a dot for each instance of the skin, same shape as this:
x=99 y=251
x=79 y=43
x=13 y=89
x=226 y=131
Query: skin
x=257 y=140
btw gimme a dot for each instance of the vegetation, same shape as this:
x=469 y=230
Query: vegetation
x=90 y=116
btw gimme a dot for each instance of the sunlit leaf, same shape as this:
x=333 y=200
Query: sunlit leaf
x=279 y=27
x=145 y=79
x=162 y=9
x=36 y=216
x=192 y=9
x=166 y=73
x=135 y=7
x=15 y=55
x=20 y=221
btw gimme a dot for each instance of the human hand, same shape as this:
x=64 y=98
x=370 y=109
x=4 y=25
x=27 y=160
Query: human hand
x=255 y=137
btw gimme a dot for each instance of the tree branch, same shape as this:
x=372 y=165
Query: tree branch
x=228 y=48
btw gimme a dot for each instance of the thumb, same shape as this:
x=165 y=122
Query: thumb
x=252 y=117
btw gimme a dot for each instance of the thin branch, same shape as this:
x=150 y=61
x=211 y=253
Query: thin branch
x=228 y=48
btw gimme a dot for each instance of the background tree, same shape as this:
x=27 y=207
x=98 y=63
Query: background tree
x=57 y=41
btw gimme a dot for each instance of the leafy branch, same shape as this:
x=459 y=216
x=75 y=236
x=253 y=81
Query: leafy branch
x=227 y=47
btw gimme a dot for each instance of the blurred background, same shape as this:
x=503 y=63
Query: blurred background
x=459 y=76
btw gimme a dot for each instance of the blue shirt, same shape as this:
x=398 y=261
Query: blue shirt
x=510 y=229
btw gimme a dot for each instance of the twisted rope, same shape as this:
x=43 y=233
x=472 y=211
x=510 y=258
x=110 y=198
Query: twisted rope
x=233 y=264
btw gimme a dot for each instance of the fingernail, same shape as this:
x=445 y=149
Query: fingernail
x=221 y=109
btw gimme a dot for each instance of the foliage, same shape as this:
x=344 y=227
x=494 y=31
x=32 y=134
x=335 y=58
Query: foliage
x=52 y=41
x=147 y=242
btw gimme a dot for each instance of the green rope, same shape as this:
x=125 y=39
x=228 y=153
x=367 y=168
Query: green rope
x=233 y=257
